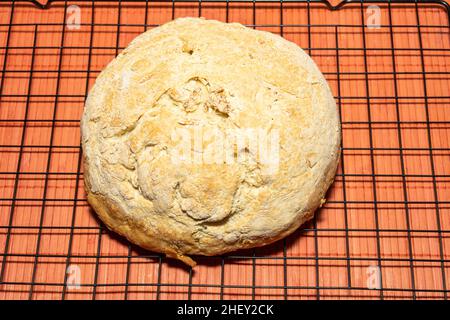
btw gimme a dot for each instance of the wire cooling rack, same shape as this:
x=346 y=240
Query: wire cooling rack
x=384 y=231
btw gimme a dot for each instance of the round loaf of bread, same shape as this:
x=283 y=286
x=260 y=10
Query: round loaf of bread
x=203 y=137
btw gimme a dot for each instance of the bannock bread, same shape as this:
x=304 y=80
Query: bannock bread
x=203 y=137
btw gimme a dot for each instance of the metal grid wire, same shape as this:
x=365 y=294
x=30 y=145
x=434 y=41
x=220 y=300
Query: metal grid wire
x=387 y=214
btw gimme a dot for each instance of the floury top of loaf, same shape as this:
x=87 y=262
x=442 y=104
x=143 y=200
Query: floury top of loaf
x=203 y=137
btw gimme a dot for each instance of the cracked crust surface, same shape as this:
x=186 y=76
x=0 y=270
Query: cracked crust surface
x=192 y=73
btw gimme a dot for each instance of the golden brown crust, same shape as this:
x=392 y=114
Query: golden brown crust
x=200 y=73
x=112 y=216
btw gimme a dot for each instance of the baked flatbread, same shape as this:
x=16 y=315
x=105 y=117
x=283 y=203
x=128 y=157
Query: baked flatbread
x=203 y=137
